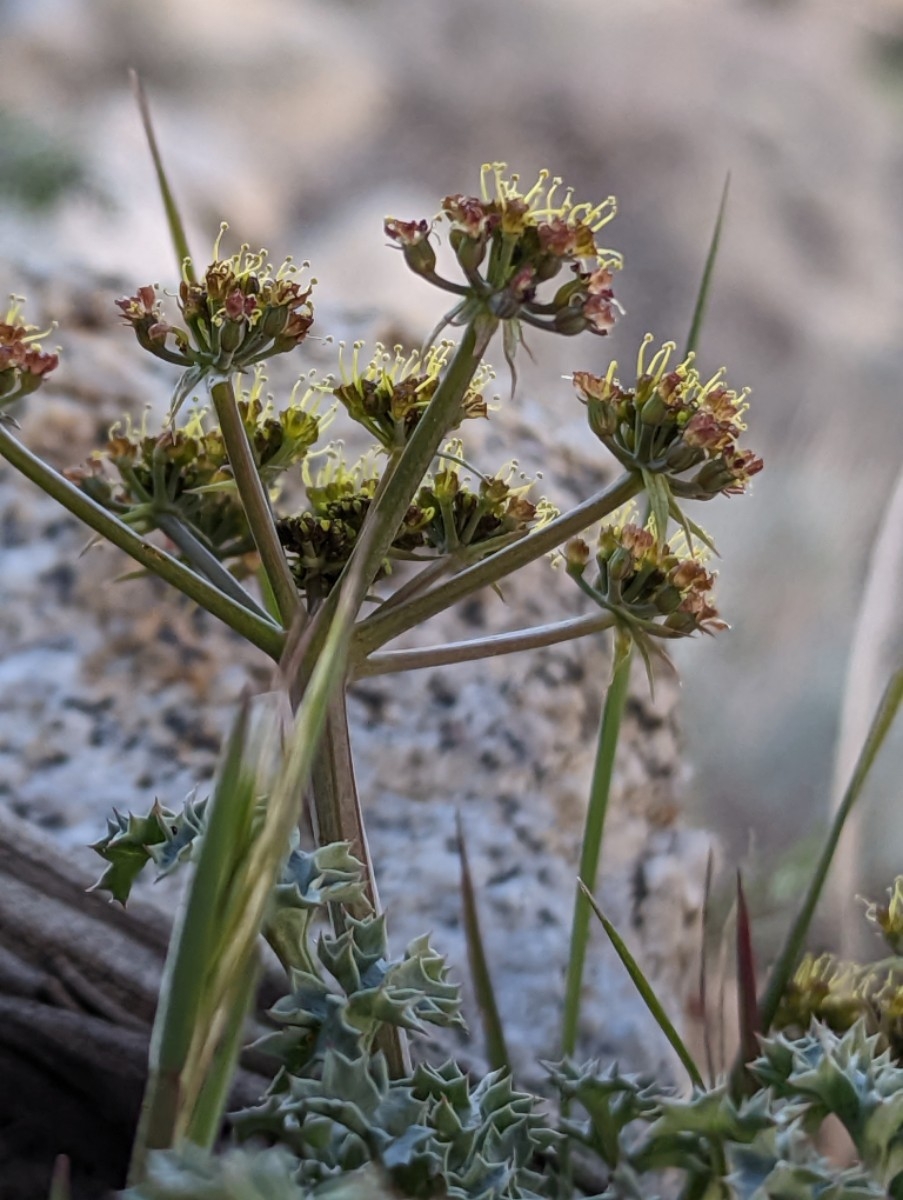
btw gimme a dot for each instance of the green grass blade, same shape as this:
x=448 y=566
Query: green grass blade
x=493 y=1030
x=703 y=967
x=646 y=992
x=173 y=216
x=874 y=636
x=600 y=790
x=210 y=969
x=207 y=1118
x=792 y=948
x=702 y=298
x=191 y=952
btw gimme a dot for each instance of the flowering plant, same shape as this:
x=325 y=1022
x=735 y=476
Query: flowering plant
x=377 y=547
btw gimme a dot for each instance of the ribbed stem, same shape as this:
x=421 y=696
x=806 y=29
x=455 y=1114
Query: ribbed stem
x=488 y=647
x=255 y=502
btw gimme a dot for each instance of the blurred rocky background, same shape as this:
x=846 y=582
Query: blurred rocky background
x=303 y=123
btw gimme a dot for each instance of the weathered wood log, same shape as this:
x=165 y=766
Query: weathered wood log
x=78 y=987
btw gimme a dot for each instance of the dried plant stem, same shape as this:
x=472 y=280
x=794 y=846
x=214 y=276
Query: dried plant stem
x=256 y=503
x=336 y=817
x=385 y=625
x=258 y=631
x=487 y=647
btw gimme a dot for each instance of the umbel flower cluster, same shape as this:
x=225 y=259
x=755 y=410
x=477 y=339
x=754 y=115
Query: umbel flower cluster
x=508 y=244
x=839 y=994
x=184 y=470
x=676 y=434
x=391 y=393
x=448 y=512
x=650 y=589
x=24 y=365
x=671 y=422
x=240 y=313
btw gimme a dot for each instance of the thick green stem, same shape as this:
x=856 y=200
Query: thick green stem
x=387 y=624
x=258 y=632
x=487 y=647
x=391 y=504
x=600 y=791
x=337 y=814
x=336 y=808
x=255 y=502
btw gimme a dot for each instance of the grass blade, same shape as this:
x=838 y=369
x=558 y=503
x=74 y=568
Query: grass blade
x=702 y=299
x=792 y=948
x=493 y=1030
x=644 y=988
x=747 y=1005
x=600 y=790
x=208 y=979
x=874 y=638
x=191 y=956
x=173 y=216
x=703 y=968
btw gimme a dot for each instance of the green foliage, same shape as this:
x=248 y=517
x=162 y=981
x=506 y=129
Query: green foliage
x=163 y=837
x=432 y=1134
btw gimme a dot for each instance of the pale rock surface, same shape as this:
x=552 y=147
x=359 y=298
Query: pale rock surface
x=303 y=121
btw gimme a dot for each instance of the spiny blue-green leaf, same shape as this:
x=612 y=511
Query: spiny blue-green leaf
x=126 y=848
x=193 y=1174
